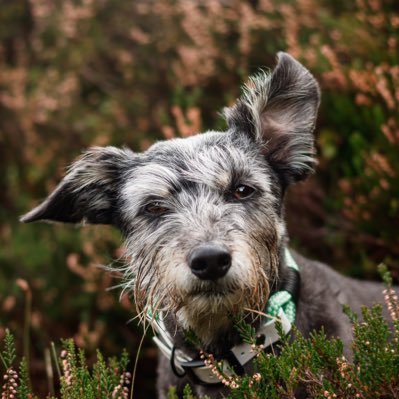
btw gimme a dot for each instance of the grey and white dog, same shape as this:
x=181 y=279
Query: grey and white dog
x=203 y=219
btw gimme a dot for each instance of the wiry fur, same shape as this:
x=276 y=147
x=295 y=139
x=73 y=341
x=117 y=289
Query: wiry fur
x=268 y=144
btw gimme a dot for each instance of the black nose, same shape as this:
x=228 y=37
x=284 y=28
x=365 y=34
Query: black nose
x=210 y=262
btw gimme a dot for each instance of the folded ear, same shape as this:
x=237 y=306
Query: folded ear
x=278 y=110
x=89 y=191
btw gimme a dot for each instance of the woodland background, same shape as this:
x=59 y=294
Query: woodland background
x=95 y=72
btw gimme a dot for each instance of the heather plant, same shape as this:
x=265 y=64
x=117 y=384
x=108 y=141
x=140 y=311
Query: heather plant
x=105 y=380
x=317 y=364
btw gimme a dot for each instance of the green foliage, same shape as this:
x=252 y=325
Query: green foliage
x=106 y=379
x=7 y=355
x=319 y=365
x=188 y=393
x=246 y=331
x=172 y=393
x=24 y=388
x=385 y=275
x=316 y=364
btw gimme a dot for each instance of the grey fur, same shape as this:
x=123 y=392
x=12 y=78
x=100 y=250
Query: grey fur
x=181 y=194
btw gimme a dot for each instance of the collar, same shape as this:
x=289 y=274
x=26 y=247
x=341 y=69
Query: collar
x=281 y=306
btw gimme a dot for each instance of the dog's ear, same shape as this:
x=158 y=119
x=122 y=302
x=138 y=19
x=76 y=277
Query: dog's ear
x=89 y=191
x=279 y=111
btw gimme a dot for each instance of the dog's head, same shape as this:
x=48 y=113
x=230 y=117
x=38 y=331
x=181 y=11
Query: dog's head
x=202 y=216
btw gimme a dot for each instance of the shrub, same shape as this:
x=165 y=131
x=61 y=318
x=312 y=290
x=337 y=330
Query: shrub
x=316 y=364
x=106 y=380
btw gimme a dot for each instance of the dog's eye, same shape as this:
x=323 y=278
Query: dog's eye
x=156 y=208
x=242 y=192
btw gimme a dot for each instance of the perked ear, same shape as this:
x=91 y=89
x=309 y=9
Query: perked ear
x=89 y=191
x=279 y=111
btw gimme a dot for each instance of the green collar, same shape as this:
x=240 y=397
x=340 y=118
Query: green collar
x=285 y=298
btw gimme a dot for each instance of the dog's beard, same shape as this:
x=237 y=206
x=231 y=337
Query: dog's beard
x=208 y=307
x=210 y=313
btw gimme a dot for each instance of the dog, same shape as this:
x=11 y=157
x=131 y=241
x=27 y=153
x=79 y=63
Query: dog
x=203 y=220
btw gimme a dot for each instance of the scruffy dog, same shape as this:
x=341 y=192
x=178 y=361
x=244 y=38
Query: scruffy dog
x=204 y=225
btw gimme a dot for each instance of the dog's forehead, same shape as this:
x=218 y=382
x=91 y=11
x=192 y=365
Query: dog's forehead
x=211 y=158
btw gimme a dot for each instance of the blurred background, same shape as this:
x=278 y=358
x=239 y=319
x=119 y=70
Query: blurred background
x=96 y=72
